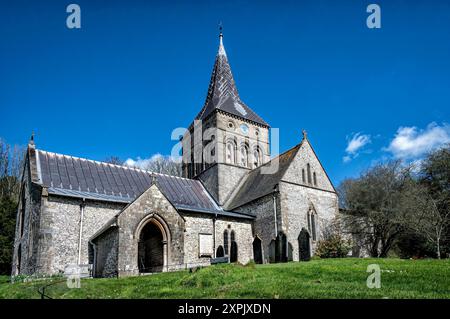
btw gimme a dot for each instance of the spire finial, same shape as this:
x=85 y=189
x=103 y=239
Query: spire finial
x=221 y=47
x=305 y=134
x=220 y=29
x=32 y=138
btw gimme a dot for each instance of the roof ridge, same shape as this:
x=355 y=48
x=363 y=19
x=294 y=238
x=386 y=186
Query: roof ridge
x=111 y=164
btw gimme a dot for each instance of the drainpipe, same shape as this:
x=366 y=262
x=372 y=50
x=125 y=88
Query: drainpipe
x=214 y=236
x=82 y=205
x=275 y=209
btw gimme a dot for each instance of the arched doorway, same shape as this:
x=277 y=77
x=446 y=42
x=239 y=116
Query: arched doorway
x=304 y=246
x=151 y=249
x=220 y=252
x=257 y=251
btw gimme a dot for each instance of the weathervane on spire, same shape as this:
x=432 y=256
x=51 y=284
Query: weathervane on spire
x=220 y=29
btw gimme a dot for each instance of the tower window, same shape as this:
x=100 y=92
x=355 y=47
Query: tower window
x=231 y=152
x=257 y=157
x=244 y=156
x=303 y=175
x=315 y=179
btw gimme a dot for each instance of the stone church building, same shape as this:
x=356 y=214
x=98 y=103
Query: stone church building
x=234 y=201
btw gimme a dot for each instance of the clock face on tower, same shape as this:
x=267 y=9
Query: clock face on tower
x=244 y=129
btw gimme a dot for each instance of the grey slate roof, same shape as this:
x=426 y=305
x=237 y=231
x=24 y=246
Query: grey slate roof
x=65 y=175
x=222 y=92
x=256 y=184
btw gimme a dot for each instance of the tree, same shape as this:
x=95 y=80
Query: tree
x=423 y=214
x=8 y=209
x=11 y=163
x=428 y=200
x=113 y=160
x=333 y=243
x=11 y=160
x=159 y=164
x=371 y=207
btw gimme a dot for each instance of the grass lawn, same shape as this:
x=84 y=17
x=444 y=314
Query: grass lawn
x=326 y=278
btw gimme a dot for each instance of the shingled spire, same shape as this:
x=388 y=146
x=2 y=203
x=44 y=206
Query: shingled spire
x=222 y=92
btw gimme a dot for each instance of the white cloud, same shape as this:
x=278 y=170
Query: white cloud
x=410 y=142
x=144 y=163
x=346 y=159
x=355 y=144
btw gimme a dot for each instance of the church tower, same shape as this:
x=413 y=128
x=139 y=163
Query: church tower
x=227 y=139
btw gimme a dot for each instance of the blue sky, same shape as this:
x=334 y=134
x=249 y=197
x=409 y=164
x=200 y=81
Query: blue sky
x=138 y=69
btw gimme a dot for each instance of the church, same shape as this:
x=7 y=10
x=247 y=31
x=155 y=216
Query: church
x=234 y=203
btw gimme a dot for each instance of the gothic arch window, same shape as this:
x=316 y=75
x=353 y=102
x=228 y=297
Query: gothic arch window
x=315 y=179
x=225 y=242
x=308 y=171
x=231 y=152
x=243 y=155
x=312 y=223
x=313 y=226
x=233 y=248
x=257 y=157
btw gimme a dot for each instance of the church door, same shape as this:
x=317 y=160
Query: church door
x=151 y=249
x=304 y=245
x=257 y=251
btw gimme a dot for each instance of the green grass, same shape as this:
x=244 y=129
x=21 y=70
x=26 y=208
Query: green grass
x=325 y=278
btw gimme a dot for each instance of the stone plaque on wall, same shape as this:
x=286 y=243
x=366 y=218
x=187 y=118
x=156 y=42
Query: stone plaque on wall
x=205 y=244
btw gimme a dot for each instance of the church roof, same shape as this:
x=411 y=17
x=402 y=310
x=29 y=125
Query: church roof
x=256 y=184
x=70 y=176
x=223 y=94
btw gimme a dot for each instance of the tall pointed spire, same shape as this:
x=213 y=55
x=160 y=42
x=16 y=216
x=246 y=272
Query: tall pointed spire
x=222 y=92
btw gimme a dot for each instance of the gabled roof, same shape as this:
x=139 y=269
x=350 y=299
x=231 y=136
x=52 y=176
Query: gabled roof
x=223 y=94
x=256 y=184
x=70 y=176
